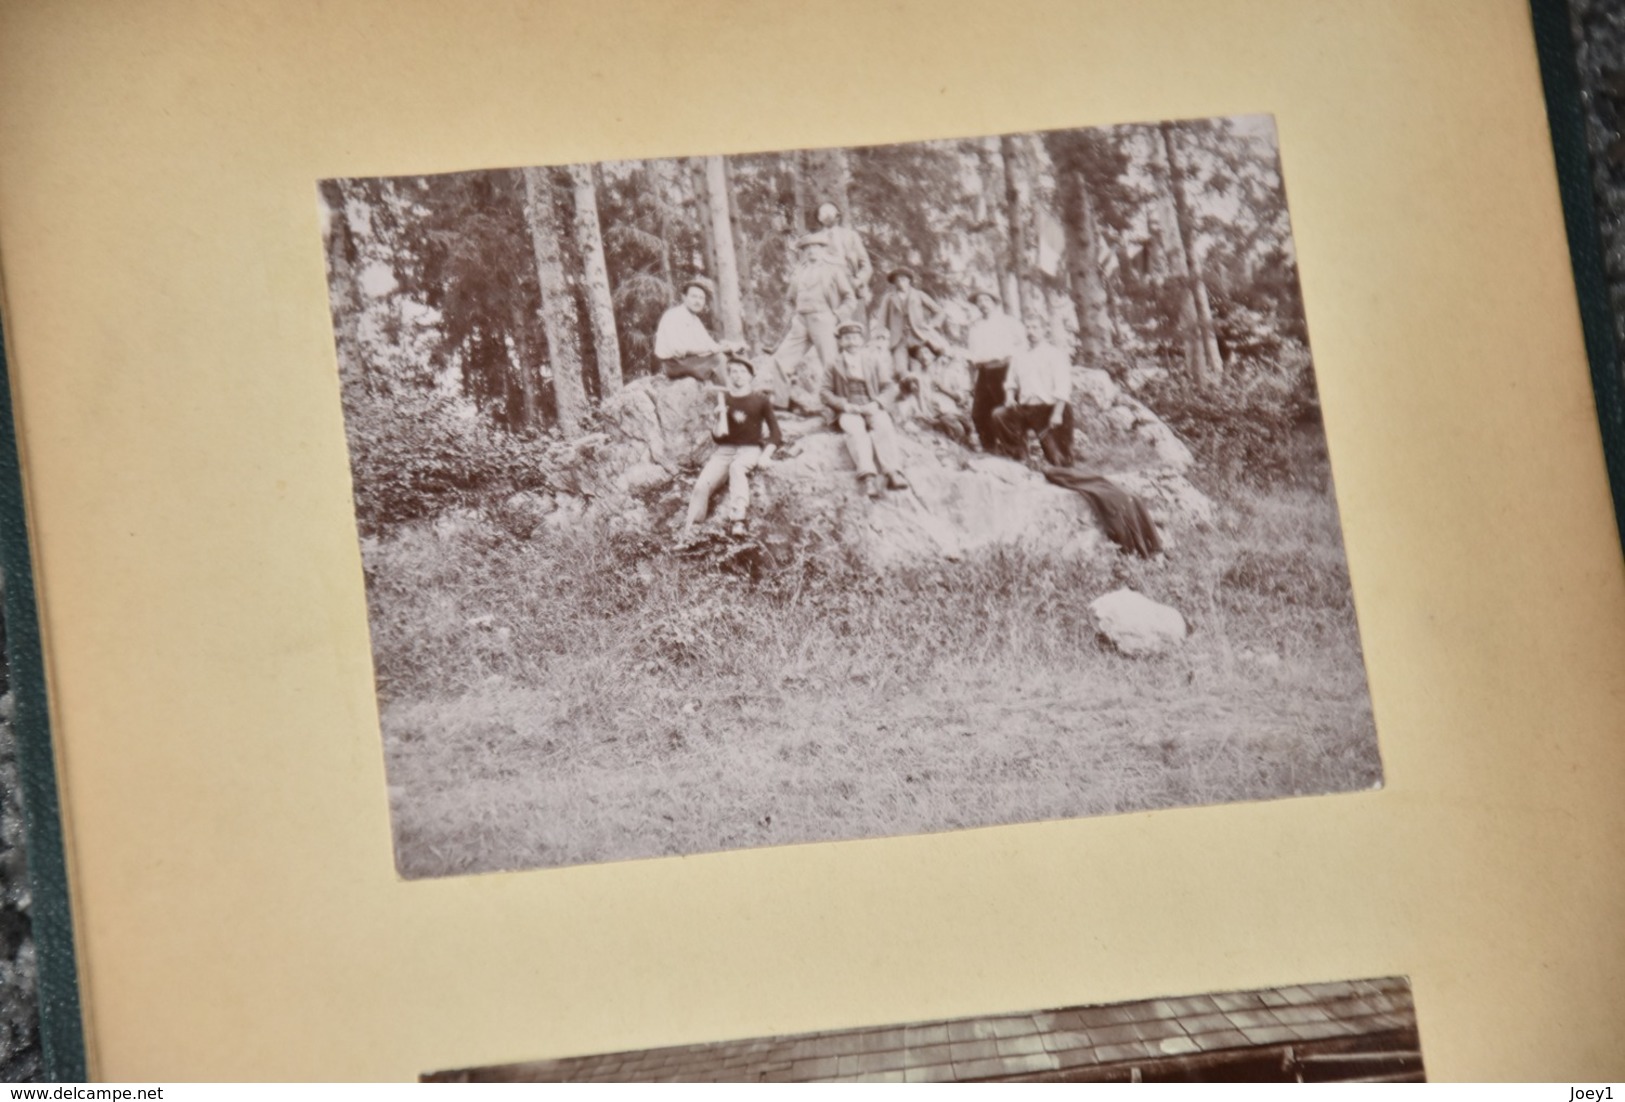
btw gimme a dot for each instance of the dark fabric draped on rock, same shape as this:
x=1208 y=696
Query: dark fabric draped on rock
x=1124 y=516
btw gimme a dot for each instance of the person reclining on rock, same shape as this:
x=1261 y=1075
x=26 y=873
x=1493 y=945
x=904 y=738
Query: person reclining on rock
x=856 y=392
x=684 y=347
x=747 y=434
x=1037 y=398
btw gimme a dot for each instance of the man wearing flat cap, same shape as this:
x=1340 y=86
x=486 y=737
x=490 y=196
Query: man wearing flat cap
x=819 y=293
x=856 y=393
x=683 y=345
x=912 y=321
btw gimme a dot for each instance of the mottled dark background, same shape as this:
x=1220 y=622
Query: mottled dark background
x=20 y=1056
x=1599 y=27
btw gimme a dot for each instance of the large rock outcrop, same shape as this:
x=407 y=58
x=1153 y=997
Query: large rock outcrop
x=651 y=436
x=1130 y=415
x=666 y=422
x=951 y=508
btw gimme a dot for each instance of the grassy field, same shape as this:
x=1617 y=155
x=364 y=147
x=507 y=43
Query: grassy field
x=585 y=696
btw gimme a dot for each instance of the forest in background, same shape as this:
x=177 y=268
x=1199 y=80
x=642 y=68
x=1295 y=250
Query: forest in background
x=557 y=685
x=479 y=312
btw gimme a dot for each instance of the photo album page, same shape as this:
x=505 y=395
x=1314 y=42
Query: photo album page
x=845 y=542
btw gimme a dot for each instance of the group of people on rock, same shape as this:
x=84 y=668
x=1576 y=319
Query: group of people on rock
x=827 y=365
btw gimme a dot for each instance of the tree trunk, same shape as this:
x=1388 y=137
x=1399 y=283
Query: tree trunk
x=523 y=361
x=1087 y=285
x=1016 y=281
x=750 y=310
x=1058 y=308
x=992 y=214
x=345 y=300
x=560 y=319
x=729 y=307
x=655 y=181
x=606 y=345
x=829 y=180
x=699 y=188
x=798 y=180
x=1203 y=358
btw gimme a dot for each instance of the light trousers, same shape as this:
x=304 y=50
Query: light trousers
x=808 y=333
x=872 y=441
x=730 y=463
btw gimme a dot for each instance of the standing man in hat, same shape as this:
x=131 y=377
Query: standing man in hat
x=819 y=293
x=683 y=345
x=1038 y=398
x=856 y=394
x=993 y=338
x=851 y=253
x=912 y=320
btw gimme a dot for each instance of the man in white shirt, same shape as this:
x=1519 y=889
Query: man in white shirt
x=1038 y=398
x=683 y=345
x=993 y=339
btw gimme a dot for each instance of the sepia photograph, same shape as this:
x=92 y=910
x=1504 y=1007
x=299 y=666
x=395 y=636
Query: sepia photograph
x=745 y=500
x=1354 y=1031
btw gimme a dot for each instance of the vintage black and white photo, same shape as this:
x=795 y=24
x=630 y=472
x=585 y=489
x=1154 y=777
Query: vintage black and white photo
x=1348 y=1031
x=730 y=501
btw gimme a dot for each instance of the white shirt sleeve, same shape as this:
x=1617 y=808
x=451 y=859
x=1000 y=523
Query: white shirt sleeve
x=681 y=333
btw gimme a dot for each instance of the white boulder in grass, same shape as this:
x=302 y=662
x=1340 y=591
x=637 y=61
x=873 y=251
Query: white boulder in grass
x=1135 y=624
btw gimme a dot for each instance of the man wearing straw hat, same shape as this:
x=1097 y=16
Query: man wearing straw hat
x=849 y=250
x=820 y=293
x=992 y=339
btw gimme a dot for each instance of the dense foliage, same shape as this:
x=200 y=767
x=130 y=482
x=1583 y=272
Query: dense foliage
x=1149 y=247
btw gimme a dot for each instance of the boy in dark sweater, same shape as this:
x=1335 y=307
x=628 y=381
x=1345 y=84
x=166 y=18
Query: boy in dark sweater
x=747 y=434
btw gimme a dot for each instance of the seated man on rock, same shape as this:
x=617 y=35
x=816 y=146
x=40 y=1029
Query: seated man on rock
x=857 y=385
x=746 y=434
x=683 y=345
x=1037 y=398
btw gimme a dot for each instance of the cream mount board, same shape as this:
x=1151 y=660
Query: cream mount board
x=204 y=621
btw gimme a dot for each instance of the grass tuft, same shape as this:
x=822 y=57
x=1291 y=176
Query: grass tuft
x=585 y=695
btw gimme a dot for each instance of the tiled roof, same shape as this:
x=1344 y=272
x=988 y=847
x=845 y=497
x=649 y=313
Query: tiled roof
x=1013 y=1045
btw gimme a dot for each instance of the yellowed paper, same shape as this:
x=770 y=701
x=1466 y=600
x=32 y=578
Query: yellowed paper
x=238 y=912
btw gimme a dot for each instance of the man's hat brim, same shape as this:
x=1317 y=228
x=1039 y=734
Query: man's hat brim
x=891 y=277
x=744 y=363
x=848 y=327
x=703 y=284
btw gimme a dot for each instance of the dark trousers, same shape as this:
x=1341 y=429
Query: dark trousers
x=987 y=392
x=706 y=367
x=1014 y=422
